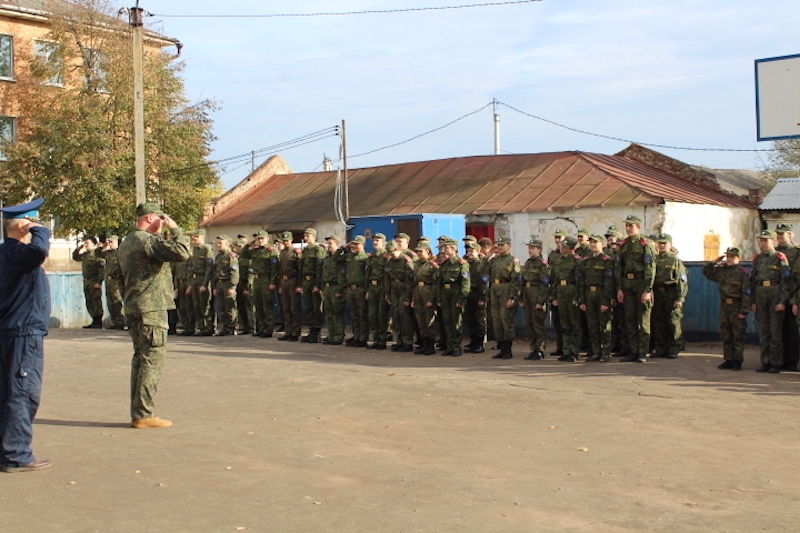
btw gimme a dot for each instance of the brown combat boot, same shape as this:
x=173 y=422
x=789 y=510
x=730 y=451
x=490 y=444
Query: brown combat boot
x=152 y=422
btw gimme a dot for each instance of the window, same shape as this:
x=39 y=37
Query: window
x=8 y=126
x=48 y=58
x=94 y=63
x=6 y=57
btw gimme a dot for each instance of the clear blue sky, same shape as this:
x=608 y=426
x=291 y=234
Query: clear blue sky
x=674 y=73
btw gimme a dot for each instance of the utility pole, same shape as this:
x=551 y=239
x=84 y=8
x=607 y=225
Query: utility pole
x=346 y=185
x=137 y=23
x=496 y=127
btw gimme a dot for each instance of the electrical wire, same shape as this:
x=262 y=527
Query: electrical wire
x=634 y=142
x=348 y=13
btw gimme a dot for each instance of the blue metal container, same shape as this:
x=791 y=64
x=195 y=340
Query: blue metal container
x=431 y=225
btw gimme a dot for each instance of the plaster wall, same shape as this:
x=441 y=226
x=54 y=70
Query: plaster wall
x=690 y=223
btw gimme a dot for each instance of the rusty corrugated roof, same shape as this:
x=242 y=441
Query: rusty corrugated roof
x=479 y=185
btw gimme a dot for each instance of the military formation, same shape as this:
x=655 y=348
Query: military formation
x=609 y=294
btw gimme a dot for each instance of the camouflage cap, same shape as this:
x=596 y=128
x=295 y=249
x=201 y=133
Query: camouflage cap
x=287 y=236
x=561 y=233
x=444 y=238
x=652 y=236
x=633 y=219
x=184 y=239
x=451 y=242
x=402 y=236
x=504 y=239
x=569 y=242
x=422 y=246
x=597 y=238
x=612 y=230
x=112 y=238
x=223 y=237
x=583 y=231
x=783 y=227
x=359 y=239
x=241 y=241
x=262 y=235
x=664 y=237
x=149 y=208
x=310 y=231
x=424 y=239
x=379 y=236
x=334 y=238
x=734 y=250
x=535 y=242
x=473 y=245
x=391 y=246
x=199 y=233
x=767 y=234
x=470 y=238
x=241 y=236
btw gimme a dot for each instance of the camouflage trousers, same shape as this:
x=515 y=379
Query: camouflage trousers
x=185 y=304
x=770 y=324
x=403 y=322
x=502 y=316
x=666 y=321
x=290 y=306
x=452 y=318
x=378 y=311
x=358 y=312
x=149 y=334
x=114 y=302
x=534 y=322
x=475 y=316
x=570 y=315
x=637 y=315
x=333 y=305
x=264 y=299
x=94 y=300
x=226 y=304
x=201 y=310
x=732 y=330
x=313 y=303
x=599 y=324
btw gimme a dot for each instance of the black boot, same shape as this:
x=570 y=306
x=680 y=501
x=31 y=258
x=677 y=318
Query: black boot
x=507 y=351
x=501 y=345
x=478 y=348
x=430 y=349
x=313 y=336
x=468 y=348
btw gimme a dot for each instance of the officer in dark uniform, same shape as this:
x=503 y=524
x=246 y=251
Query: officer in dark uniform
x=24 y=319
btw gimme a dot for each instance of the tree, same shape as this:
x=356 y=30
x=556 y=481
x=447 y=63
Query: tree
x=785 y=161
x=74 y=141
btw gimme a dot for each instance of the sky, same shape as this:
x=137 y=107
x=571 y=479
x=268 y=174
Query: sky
x=677 y=73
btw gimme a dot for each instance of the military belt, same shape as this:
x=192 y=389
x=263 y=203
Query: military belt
x=422 y=283
x=766 y=283
x=374 y=281
x=309 y=278
x=195 y=276
x=633 y=275
x=355 y=286
x=287 y=278
x=259 y=276
x=565 y=282
x=594 y=288
x=401 y=280
x=528 y=284
x=499 y=281
x=447 y=285
x=328 y=284
x=731 y=301
x=110 y=278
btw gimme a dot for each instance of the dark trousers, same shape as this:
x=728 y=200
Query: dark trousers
x=21 y=366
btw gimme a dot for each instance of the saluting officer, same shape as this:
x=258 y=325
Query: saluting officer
x=93 y=269
x=770 y=282
x=535 y=281
x=670 y=287
x=504 y=274
x=596 y=291
x=566 y=271
x=635 y=273
x=226 y=278
x=733 y=284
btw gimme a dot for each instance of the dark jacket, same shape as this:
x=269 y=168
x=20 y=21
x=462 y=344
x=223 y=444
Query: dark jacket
x=24 y=288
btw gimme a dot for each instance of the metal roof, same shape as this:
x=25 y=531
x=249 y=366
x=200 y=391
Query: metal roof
x=785 y=195
x=480 y=185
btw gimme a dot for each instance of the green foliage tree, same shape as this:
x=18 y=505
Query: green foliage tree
x=784 y=162
x=74 y=141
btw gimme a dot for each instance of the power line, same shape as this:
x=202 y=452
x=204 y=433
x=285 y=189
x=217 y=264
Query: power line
x=365 y=12
x=634 y=142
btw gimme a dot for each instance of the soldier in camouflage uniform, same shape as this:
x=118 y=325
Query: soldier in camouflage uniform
x=619 y=338
x=144 y=258
x=93 y=268
x=114 y=286
x=565 y=270
x=334 y=288
x=290 y=262
x=583 y=250
x=356 y=277
x=398 y=279
x=635 y=271
x=226 y=278
x=454 y=286
x=733 y=284
x=245 y=311
x=201 y=266
x=475 y=308
x=311 y=284
x=264 y=270
x=535 y=287
x=424 y=297
x=377 y=307
x=791 y=337
x=504 y=272
x=670 y=287
x=595 y=293
x=555 y=317
x=770 y=285
x=183 y=291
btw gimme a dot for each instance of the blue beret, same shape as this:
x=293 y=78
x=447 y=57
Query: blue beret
x=27 y=210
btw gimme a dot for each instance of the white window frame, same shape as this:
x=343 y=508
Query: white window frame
x=11 y=59
x=99 y=76
x=13 y=122
x=43 y=51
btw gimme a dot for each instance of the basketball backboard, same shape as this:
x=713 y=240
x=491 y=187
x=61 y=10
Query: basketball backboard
x=778 y=98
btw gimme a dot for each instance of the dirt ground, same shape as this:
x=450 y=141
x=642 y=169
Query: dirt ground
x=289 y=437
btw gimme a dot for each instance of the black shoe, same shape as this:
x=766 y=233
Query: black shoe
x=350 y=342
x=360 y=344
x=478 y=348
x=420 y=349
x=568 y=359
x=737 y=365
x=642 y=358
x=774 y=369
x=429 y=349
x=557 y=352
x=763 y=368
x=223 y=333
x=286 y=337
x=447 y=352
x=396 y=347
x=334 y=343
x=595 y=359
x=604 y=359
x=380 y=346
x=726 y=365
x=325 y=340
x=265 y=335
x=623 y=354
x=630 y=358
x=456 y=353
x=671 y=356
x=534 y=356
x=306 y=338
x=789 y=367
x=187 y=333
x=169 y=331
x=206 y=333
x=406 y=349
